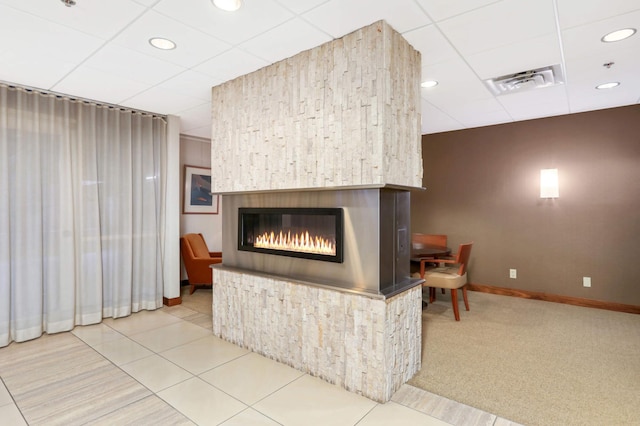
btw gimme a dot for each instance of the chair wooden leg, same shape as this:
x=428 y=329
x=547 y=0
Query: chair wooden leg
x=192 y=289
x=432 y=294
x=442 y=290
x=464 y=296
x=454 y=301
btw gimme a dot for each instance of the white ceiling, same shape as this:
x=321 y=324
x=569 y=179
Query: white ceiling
x=99 y=50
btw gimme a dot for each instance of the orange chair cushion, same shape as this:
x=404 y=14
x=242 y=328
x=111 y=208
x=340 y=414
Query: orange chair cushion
x=198 y=246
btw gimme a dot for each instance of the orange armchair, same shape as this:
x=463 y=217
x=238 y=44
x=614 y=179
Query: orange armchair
x=197 y=258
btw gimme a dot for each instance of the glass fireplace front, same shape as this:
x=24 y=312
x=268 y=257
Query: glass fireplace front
x=309 y=233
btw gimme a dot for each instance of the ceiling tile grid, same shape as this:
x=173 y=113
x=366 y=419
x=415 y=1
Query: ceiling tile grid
x=100 y=50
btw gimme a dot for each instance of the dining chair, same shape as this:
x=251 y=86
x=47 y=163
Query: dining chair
x=197 y=258
x=451 y=277
x=420 y=240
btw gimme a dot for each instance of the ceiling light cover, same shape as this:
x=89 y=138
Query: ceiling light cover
x=429 y=83
x=618 y=35
x=228 y=5
x=610 y=85
x=162 y=43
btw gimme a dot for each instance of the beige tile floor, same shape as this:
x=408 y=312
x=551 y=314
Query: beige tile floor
x=172 y=353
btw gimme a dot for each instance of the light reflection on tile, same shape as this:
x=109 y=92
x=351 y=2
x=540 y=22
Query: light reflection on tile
x=265 y=375
x=250 y=417
x=311 y=401
x=96 y=334
x=201 y=402
x=122 y=351
x=203 y=354
x=156 y=373
x=170 y=336
x=141 y=321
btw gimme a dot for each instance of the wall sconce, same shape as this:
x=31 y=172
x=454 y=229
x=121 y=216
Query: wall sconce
x=549 y=183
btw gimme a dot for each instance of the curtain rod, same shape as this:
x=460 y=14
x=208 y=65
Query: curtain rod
x=79 y=99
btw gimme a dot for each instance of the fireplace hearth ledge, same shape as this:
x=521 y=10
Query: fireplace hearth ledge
x=410 y=283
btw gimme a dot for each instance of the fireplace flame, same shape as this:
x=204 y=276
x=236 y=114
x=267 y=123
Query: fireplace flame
x=302 y=242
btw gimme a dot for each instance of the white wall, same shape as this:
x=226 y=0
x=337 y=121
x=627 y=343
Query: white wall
x=197 y=152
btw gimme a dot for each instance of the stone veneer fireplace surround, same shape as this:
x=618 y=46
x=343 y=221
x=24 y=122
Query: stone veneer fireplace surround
x=336 y=125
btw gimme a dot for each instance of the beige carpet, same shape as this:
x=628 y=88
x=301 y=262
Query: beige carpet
x=534 y=362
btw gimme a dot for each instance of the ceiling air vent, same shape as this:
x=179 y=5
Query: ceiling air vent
x=526 y=80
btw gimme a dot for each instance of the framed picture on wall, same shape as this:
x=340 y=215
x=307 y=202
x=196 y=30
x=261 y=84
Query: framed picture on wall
x=197 y=197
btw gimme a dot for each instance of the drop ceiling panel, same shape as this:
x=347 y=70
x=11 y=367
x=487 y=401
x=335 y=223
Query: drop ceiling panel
x=436 y=121
x=194 y=117
x=584 y=97
x=585 y=40
x=301 y=6
x=99 y=18
x=430 y=42
x=587 y=72
x=529 y=54
x=201 y=132
x=340 y=17
x=536 y=103
x=591 y=69
x=475 y=112
x=456 y=83
x=572 y=13
x=193 y=46
x=37 y=52
x=193 y=84
x=252 y=19
x=112 y=88
x=231 y=64
x=161 y=100
x=443 y=9
x=499 y=24
x=133 y=65
x=285 y=40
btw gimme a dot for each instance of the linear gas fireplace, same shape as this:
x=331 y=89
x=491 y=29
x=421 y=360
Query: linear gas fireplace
x=360 y=235
x=308 y=233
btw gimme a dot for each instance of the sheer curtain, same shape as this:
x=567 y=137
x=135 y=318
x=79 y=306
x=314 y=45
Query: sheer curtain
x=80 y=213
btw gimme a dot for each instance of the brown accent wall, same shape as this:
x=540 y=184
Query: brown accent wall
x=483 y=186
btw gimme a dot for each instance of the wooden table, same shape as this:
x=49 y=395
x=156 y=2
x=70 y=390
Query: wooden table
x=418 y=253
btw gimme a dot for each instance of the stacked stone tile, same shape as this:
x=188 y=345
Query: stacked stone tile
x=342 y=114
x=367 y=345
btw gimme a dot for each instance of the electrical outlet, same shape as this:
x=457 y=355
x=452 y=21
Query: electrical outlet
x=513 y=273
x=586 y=281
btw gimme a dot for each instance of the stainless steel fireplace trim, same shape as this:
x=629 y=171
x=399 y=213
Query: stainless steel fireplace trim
x=409 y=284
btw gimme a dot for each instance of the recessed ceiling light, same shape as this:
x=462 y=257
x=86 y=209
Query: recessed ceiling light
x=429 y=83
x=618 y=35
x=227 y=5
x=162 y=43
x=608 y=85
